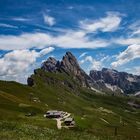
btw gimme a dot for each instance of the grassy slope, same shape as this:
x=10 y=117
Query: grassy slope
x=96 y=116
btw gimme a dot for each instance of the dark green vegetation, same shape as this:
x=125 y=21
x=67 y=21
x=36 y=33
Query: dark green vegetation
x=98 y=117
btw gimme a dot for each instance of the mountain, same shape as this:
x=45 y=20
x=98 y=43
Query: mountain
x=126 y=83
x=69 y=66
x=63 y=85
x=107 y=80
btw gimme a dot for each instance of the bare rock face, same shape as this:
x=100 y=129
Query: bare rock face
x=49 y=65
x=30 y=81
x=128 y=83
x=69 y=65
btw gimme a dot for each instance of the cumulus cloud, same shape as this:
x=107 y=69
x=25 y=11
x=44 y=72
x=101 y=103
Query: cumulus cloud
x=49 y=20
x=134 y=70
x=18 y=62
x=106 y=24
x=21 y=78
x=131 y=53
x=94 y=64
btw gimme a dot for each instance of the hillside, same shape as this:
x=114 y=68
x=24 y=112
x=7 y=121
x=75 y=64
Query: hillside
x=97 y=115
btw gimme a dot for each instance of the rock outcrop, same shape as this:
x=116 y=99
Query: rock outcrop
x=127 y=83
x=50 y=65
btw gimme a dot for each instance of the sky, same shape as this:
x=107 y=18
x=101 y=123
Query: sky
x=100 y=33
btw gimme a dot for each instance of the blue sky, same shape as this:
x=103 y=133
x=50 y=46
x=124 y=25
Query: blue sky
x=100 y=33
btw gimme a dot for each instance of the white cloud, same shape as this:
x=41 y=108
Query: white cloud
x=7 y=25
x=134 y=70
x=24 y=41
x=71 y=39
x=49 y=20
x=18 y=62
x=46 y=51
x=21 y=78
x=78 y=40
x=70 y=7
x=20 y=19
x=127 y=41
x=94 y=64
x=137 y=31
x=67 y=38
x=131 y=53
x=83 y=54
x=107 y=24
x=135 y=28
x=132 y=35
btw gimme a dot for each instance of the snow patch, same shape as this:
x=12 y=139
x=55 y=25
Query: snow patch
x=137 y=93
x=113 y=87
x=131 y=79
x=96 y=90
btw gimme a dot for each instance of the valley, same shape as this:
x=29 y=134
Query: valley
x=97 y=115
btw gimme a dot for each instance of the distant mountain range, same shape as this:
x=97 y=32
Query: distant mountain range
x=106 y=80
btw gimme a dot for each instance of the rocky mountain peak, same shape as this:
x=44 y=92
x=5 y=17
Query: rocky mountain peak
x=101 y=80
x=69 y=59
x=70 y=64
x=49 y=65
x=128 y=83
x=69 y=55
x=109 y=70
x=52 y=60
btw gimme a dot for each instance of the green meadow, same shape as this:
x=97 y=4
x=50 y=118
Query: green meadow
x=97 y=116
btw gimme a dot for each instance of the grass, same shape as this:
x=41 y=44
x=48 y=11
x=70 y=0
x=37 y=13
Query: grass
x=16 y=131
x=97 y=116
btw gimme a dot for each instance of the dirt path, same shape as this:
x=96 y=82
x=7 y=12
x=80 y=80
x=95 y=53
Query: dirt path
x=59 y=126
x=59 y=120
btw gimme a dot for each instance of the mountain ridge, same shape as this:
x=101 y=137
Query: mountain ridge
x=128 y=83
x=106 y=80
x=68 y=65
